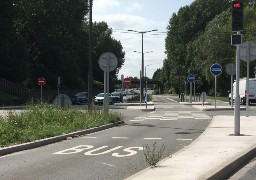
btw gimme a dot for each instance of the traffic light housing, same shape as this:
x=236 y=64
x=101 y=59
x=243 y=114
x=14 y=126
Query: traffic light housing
x=237 y=15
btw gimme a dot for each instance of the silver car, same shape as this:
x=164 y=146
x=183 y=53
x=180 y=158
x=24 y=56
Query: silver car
x=100 y=97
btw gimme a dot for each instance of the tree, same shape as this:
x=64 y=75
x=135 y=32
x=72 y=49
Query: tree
x=13 y=57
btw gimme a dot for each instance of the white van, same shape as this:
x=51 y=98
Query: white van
x=243 y=91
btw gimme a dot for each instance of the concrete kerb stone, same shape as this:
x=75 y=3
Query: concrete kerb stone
x=43 y=142
x=231 y=166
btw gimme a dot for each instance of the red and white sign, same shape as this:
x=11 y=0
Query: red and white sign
x=127 y=81
x=41 y=81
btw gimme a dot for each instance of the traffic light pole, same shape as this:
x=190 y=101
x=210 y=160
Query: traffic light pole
x=237 y=99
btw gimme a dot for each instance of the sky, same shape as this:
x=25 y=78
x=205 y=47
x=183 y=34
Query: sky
x=138 y=15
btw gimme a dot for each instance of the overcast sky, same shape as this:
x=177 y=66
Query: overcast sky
x=138 y=15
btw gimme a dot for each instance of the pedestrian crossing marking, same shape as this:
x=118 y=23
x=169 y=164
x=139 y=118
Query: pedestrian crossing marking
x=172 y=116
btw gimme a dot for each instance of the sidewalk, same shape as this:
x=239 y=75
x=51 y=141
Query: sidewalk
x=214 y=155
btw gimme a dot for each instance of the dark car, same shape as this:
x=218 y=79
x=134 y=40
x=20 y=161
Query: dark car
x=100 y=97
x=117 y=97
x=80 y=98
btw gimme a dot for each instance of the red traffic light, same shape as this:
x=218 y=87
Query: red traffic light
x=237 y=16
x=236 y=5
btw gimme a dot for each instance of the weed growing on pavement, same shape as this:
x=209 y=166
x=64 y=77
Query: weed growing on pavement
x=43 y=120
x=154 y=155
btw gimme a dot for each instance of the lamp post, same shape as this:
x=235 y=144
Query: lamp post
x=142 y=75
x=142 y=57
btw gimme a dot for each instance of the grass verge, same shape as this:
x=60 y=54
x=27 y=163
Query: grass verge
x=224 y=99
x=43 y=121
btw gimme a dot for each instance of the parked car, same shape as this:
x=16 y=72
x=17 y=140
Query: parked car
x=80 y=98
x=100 y=97
x=117 y=97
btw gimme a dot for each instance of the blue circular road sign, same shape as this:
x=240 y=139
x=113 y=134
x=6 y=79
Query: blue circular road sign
x=191 y=78
x=216 y=69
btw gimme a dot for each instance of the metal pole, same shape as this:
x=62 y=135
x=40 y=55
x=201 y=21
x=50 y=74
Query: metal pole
x=190 y=93
x=107 y=101
x=247 y=80
x=237 y=99
x=140 y=89
x=194 y=90
x=232 y=93
x=146 y=100
x=142 y=67
x=41 y=94
x=215 y=89
x=105 y=92
x=90 y=58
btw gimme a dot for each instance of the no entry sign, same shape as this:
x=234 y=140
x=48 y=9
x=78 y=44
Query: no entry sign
x=41 y=81
x=127 y=81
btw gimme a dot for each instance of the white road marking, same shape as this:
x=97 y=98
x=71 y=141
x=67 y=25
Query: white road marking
x=107 y=164
x=152 y=138
x=154 y=116
x=139 y=118
x=185 y=117
x=166 y=119
x=184 y=139
x=119 y=137
x=203 y=118
x=136 y=120
x=150 y=118
x=89 y=137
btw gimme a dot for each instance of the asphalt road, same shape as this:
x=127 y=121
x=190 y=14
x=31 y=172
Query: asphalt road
x=115 y=153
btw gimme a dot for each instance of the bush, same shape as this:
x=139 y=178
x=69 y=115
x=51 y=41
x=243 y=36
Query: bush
x=43 y=120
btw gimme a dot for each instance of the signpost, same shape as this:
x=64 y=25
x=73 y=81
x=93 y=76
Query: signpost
x=107 y=62
x=191 y=78
x=41 y=81
x=216 y=70
x=231 y=70
x=247 y=54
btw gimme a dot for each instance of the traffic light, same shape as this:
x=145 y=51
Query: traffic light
x=236 y=39
x=237 y=15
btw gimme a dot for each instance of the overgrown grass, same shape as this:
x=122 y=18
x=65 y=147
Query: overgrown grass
x=42 y=121
x=154 y=155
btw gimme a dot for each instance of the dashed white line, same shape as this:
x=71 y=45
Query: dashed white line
x=119 y=137
x=152 y=138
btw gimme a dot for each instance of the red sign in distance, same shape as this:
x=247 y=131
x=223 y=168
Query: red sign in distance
x=41 y=81
x=127 y=81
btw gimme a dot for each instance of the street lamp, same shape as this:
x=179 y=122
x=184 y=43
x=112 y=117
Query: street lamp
x=142 y=54
x=142 y=75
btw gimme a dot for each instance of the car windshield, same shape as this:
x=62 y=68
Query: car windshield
x=115 y=94
x=81 y=94
x=100 y=95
